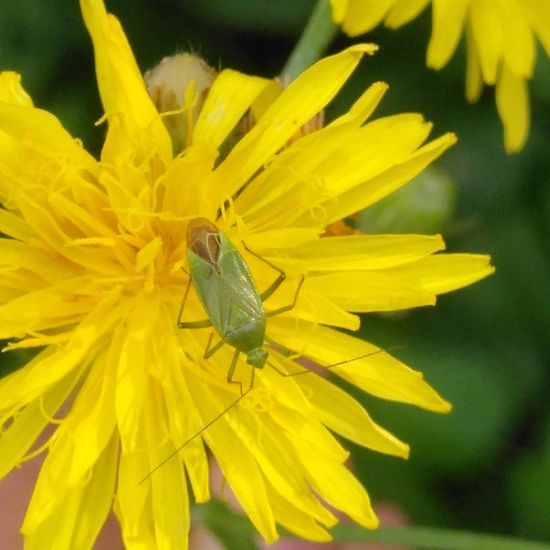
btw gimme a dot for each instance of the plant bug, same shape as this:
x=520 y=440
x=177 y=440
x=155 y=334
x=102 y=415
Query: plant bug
x=229 y=295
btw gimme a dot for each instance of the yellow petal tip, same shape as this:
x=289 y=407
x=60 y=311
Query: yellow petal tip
x=451 y=138
x=367 y=47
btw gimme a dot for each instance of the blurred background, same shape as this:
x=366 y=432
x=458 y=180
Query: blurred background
x=486 y=348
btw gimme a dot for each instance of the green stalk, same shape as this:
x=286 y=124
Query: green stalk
x=429 y=538
x=317 y=36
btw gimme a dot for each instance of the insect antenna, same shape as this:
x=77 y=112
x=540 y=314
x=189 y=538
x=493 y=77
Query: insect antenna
x=344 y=361
x=285 y=351
x=195 y=435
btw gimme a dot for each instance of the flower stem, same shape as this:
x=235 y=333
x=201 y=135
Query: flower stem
x=318 y=34
x=434 y=538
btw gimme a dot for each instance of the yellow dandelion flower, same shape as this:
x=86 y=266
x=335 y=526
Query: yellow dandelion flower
x=93 y=274
x=501 y=48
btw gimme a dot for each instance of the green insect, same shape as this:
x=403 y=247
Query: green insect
x=229 y=295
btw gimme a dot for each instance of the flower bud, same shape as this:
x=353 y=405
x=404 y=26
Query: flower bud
x=424 y=205
x=178 y=86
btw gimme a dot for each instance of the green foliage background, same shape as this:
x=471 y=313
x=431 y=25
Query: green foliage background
x=485 y=466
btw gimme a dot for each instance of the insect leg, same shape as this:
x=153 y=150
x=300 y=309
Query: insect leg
x=291 y=306
x=288 y=354
x=276 y=283
x=231 y=372
x=282 y=372
x=209 y=351
x=190 y=324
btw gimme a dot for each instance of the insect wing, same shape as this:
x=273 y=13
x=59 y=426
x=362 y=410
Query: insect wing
x=240 y=288
x=226 y=290
x=209 y=287
x=242 y=318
